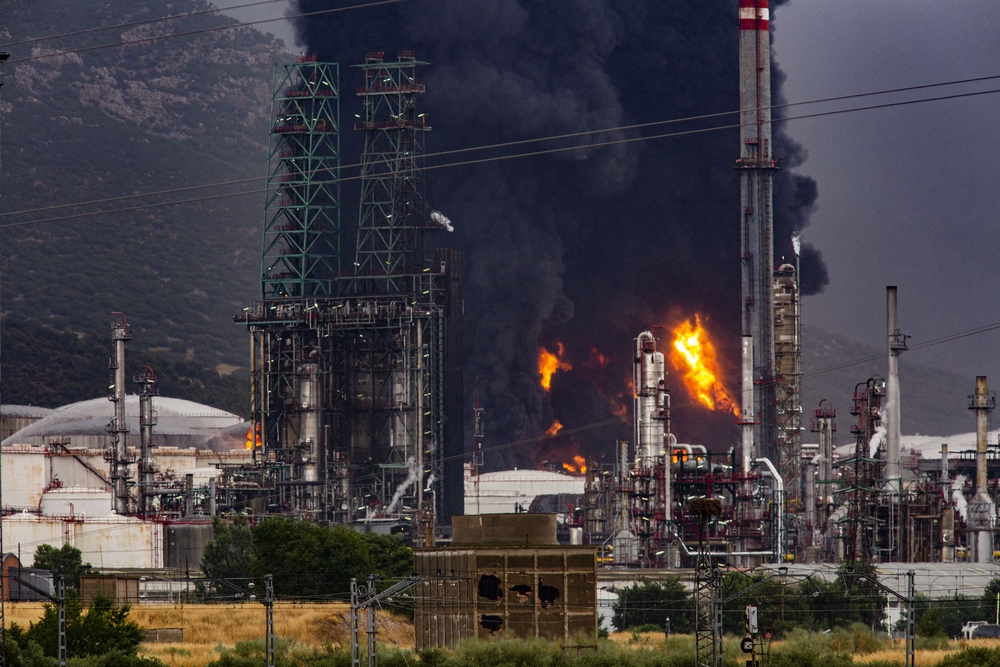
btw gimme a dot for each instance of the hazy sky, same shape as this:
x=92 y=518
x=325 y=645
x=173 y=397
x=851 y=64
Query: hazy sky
x=280 y=29
x=908 y=196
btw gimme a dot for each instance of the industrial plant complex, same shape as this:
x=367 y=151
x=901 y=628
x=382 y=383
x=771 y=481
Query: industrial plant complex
x=359 y=415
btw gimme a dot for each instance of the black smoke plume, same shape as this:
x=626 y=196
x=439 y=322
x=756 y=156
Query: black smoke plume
x=587 y=247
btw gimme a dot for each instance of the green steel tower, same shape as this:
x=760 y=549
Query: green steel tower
x=392 y=217
x=301 y=253
x=352 y=417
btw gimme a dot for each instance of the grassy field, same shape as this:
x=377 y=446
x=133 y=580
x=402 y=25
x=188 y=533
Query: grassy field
x=209 y=627
x=892 y=651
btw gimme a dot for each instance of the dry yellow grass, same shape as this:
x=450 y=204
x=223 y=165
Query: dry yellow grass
x=207 y=627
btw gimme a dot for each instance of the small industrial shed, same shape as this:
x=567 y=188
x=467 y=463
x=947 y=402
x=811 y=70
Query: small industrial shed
x=505 y=574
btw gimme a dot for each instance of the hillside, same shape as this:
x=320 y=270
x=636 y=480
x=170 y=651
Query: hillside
x=49 y=369
x=933 y=400
x=109 y=122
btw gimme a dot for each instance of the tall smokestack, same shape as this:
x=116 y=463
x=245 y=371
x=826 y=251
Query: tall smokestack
x=982 y=511
x=757 y=166
x=896 y=345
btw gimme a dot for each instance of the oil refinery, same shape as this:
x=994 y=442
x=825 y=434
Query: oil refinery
x=357 y=404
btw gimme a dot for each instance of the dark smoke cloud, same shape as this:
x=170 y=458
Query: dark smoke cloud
x=587 y=247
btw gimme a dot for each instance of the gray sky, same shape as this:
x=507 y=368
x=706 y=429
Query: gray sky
x=280 y=29
x=908 y=196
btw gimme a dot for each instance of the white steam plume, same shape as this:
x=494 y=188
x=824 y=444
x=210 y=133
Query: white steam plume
x=797 y=244
x=442 y=220
x=411 y=478
x=961 y=504
x=877 y=439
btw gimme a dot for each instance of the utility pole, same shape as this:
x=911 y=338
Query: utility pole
x=372 y=655
x=911 y=608
x=365 y=598
x=3 y=620
x=269 y=613
x=59 y=599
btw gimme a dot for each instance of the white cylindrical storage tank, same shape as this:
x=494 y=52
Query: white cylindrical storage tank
x=76 y=502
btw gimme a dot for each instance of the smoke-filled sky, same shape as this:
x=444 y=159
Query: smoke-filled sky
x=589 y=248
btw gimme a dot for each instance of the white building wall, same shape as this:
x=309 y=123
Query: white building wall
x=510 y=491
x=25 y=474
x=105 y=542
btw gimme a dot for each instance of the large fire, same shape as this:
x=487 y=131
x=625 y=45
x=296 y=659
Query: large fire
x=693 y=354
x=549 y=363
x=577 y=467
x=555 y=428
x=251 y=440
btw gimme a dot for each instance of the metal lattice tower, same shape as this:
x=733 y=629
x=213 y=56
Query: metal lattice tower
x=301 y=252
x=392 y=216
x=348 y=371
x=708 y=610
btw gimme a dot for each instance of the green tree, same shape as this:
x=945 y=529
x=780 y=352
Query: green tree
x=391 y=557
x=989 y=602
x=930 y=623
x=66 y=562
x=863 y=601
x=307 y=559
x=651 y=602
x=104 y=628
x=230 y=553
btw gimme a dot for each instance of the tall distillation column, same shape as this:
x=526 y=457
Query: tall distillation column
x=896 y=345
x=117 y=455
x=147 y=420
x=310 y=461
x=651 y=501
x=982 y=510
x=757 y=165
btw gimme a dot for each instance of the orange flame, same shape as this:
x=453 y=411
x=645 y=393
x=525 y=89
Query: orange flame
x=555 y=428
x=549 y=363
x=251 y=440
x=578 y=467
x=693 y=354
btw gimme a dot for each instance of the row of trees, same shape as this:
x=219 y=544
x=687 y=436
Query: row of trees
x=785 y=603
x=305 y=559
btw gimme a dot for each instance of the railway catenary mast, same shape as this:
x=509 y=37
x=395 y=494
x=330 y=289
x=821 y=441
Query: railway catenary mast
x=756 y=165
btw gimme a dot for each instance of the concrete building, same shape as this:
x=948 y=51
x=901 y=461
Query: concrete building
x=505 y=573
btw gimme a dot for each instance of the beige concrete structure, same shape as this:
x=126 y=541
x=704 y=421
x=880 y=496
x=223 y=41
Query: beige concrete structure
x=506 y=574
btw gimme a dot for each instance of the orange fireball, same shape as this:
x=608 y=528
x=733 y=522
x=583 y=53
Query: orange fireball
x=693 y=355
x=549 y=363
x=555 y=428
x=577 y=467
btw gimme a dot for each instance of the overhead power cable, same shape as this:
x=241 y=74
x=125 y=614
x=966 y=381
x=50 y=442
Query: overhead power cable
x=200 y=31
x=130 y=24
x=497 y=158
x=520 y=142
